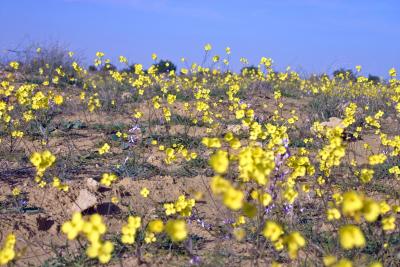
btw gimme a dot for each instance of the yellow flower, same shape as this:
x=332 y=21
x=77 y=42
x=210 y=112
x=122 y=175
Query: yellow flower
x=144 y=192
x=352 y=203
x=366 y=175
x=17 y=134
x=375 y=264
x=219 y=185
x=57 y=184
x=99 y=54
x=290 y=195
x=100 y=250
x=333 y=214
x=94 y=228
x=211 y=142
x=388 y=223
x=392 y=72
x=239 y=234
x=294 y=242
x=207 y=47
x=176 y=230
x=239 y=221
x=215 y=58
x=104 y=149
x=265 y=199
x=114 y=200
x=320 y=180
x=16 y=191
x=233 y=198
x=58 y=99
x=14 y=65
x=182 y=205
x=171 y=98
x=396 y=208
x=305 y=188
x=343 y=263
x=384 y=207
x=7 y=252
x=42 y=161
x=138 y=115
x=170 y=155
x=272 y=231
x=129 y=230
x=351 y=236
x=155 y=226
x=123 y=59
x=395 y=170
x=169 y=208
x=329 y=260
x=149 y=237
x=108 y=178
x=74 y=227
x=371 y=210
x=376 y=159
x=219 y=161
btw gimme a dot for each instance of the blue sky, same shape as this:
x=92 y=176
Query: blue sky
x=309 y=35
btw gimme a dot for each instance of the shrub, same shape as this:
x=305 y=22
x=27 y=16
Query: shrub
x=165 y=66
x=249 y=70
x=373 y=78
x=345 y=74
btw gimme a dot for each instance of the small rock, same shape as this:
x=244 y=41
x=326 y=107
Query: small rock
x=92 y=184
x=235 y=129
x=84 y=200
x=333 y=123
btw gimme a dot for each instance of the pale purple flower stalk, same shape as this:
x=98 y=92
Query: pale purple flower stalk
x=195 y=260
x=134 y=137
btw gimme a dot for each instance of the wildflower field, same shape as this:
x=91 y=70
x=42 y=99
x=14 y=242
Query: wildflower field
x=196 y=166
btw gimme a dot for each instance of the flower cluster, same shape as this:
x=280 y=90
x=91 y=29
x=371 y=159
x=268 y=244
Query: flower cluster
x=7 y=253
x=129 y=230
x=93 y=229
x=182 y=206
x=274 y=232
x=42 y=161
